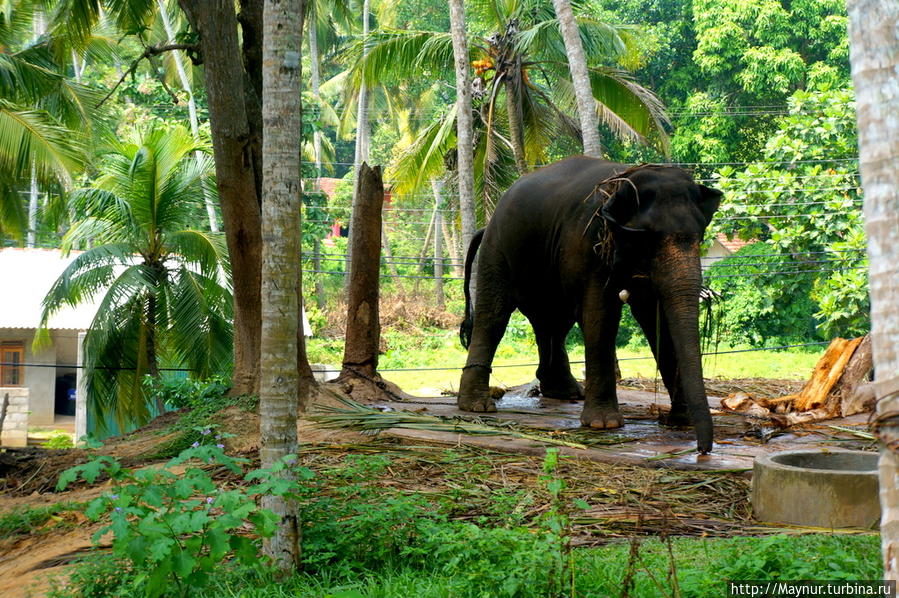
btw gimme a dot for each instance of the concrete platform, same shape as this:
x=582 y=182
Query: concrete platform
x=642 y=441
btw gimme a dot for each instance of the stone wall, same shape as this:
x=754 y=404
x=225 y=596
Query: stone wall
x=15 y=425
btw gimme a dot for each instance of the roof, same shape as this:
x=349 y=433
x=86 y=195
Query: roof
x=27 y=275
x=328 y=185
x=733 y=246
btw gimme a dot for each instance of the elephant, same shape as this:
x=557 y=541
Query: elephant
x=571 y=242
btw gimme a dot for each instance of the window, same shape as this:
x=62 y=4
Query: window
x=12 y=356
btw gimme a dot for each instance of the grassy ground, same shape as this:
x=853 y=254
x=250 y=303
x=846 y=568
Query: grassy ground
x=516 y=359
x=384 y=520
x=701 y=568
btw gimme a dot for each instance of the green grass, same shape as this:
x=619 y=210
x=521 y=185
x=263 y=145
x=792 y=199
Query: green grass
x=702 y=566
x=516 y=359
x=26 y=520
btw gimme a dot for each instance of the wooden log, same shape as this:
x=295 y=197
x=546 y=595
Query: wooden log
x=857 y=372
x=826 y=374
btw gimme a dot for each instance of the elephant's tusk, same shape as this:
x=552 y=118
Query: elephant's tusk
x=624 y=295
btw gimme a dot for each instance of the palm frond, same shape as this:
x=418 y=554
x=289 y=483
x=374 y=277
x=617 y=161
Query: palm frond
x=355 y=416
x=627 y=108
x=424 y=159
x=32 y=137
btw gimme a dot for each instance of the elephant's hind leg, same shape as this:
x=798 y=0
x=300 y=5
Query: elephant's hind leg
x=554 y=372
x=492 y=312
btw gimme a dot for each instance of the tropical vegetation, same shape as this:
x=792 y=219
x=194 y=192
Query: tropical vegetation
x=162 y=285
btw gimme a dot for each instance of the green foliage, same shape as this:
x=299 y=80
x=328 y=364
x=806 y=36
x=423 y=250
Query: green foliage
x=758 y=309
x=804 y=201
x=175 y=529
x=59 y=440
x=190 y=393
x=200 y=401
x=26 y=520
x=172 y=304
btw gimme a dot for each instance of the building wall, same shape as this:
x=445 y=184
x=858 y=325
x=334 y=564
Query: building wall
x=15 y=424
x=40 y=381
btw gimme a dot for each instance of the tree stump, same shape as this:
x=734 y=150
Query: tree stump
x=359 y=374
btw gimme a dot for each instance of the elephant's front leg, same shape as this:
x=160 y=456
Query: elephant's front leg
x=649 y=315
x=599 y=322
x=492 y=312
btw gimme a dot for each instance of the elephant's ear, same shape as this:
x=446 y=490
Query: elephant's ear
x=709 y=200
x=622 y=206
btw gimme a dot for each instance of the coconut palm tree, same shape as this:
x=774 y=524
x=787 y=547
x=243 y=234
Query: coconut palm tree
x=282 y=336
x=164 y=286
x=875 y=58
x=464 y=124
x=580 y=78
x=45 y=118
x=525 y=96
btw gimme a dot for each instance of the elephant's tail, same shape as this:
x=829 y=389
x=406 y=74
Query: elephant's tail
x=468 y=323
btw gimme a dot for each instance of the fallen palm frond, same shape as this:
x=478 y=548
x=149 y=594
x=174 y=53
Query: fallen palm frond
x=857 y=433
x=355 y=416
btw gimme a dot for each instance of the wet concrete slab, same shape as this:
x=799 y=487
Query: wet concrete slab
x=642 y=441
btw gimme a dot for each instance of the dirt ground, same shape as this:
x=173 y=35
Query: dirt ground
x=631 y=467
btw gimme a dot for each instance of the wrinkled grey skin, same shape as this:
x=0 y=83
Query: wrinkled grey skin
x=539 y=254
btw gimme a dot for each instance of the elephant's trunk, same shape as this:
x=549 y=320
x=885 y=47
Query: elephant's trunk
x=677 y=276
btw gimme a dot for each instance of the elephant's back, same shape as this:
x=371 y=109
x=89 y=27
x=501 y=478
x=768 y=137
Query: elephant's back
x=537 y=229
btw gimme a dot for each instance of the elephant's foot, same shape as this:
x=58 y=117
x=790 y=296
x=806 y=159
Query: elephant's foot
x=562 y=389
x=478 y=404
x=474 y=391
x=601 y=417
x=677 y=416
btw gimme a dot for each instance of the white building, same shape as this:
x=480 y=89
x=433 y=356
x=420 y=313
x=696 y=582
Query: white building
x=42 y=387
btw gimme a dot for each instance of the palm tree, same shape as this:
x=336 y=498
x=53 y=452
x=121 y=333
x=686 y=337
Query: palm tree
x=525 y=95
x=875 y=59
x=464 y=125
x=580 y=78
x=282 y=336
x=164 y=286
x=45 y=119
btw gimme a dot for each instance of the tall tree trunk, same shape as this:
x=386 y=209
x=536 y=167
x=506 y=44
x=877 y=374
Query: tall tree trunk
x=464 y=121
x=281 y=309
x=874 y=50
x=362 y=144
x=191 y=106
x=438 y=250
x=580 y=77
x=235 y=138
x=315 y=81
x=451 y=238
x=516 y=127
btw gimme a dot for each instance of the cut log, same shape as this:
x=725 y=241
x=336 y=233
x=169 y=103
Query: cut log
x=827 y=372
x=857 y=372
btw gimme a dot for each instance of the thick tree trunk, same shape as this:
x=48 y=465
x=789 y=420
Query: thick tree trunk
x=234 y=140
x=279 y=377
x=874 y=56
x=464 y=121
x=363 y=328
x=577 y=64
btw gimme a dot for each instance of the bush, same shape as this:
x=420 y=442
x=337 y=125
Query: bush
x=760 y=306
x=175 y=529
